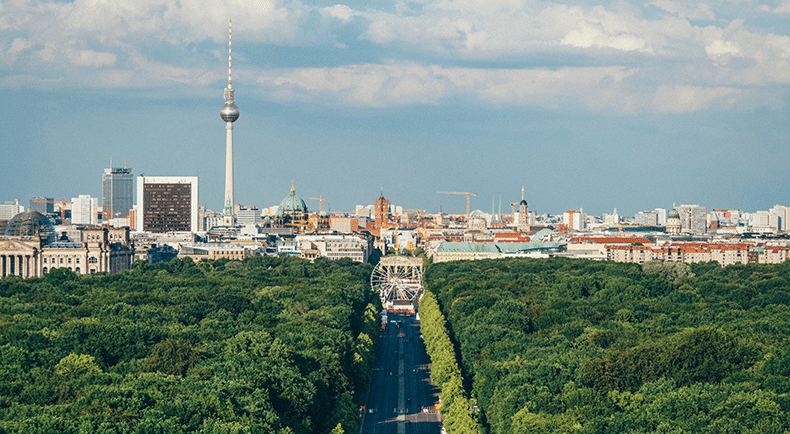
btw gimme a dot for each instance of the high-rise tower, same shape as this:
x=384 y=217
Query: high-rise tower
x=229 y=113
x=117 y=191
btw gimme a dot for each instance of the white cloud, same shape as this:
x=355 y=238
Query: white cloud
x=612 y=56
x=342 y=12
x=587 y=34
x=720 y=51
x=686 y=99
x=410 y=83
x=91 y=58
x=783 y=8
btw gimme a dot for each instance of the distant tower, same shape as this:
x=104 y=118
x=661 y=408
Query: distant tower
x=229 y=113
x=382 y=210
x=523 y=214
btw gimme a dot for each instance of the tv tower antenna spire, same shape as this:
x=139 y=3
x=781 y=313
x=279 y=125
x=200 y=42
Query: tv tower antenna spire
x=229 y=113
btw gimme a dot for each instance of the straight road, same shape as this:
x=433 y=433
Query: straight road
x=401 y=397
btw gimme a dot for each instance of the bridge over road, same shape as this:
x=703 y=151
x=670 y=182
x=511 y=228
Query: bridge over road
x=402 y=398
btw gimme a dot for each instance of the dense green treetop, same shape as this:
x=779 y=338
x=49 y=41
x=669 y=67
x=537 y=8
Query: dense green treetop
x=270 y=344
x=559 y=345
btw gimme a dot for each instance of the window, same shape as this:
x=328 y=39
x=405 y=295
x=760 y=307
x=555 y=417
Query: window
x=61 y=260
x=77 y=270
x=69 y=260
x=78 y=260
x=45 y=269
x=93 y=260
x=45 y=261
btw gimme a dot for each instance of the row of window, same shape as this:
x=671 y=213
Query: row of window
x=68 y=260
x=76 y=270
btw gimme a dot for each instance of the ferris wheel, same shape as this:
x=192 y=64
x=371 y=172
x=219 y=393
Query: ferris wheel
x=397 y=278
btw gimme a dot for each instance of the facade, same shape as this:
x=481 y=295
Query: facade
x=647 y=218
x=344 y=225
x=334 y=247
x=85 y=210
x=724 y=254
x=9 y=209
x=167 y=204
x=98 y=250
x=693 y=218
x=117 y=192
x=773 y=254
x=200 y=252
x=448 y=251
x=248 y=215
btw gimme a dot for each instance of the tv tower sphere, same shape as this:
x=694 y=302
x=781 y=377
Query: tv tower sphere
x=229 y=112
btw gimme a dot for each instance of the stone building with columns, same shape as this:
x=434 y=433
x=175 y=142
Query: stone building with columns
x=30 y=248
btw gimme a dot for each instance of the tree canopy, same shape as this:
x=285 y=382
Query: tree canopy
x=560 y=345
x=267 y=345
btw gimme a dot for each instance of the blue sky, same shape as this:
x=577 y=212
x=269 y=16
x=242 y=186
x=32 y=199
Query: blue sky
x=594 y=105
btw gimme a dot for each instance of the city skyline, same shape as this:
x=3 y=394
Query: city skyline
x=598 y=106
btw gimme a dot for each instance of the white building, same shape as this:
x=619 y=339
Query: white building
x=248 y=215
x=334 y=247
x=661 y=214
x=85 y=210
x=783 y=213
x=9 y=209
x=575 y=220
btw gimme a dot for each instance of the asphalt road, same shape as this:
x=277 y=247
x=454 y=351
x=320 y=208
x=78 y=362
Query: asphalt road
x=401 y=399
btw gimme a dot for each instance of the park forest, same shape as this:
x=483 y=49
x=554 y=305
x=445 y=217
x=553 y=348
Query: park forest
x=279 y=345
x=268 y=345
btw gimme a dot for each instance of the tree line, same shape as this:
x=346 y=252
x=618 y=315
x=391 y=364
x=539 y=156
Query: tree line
x=264 y=345
x=455 y=404
x=561 y=345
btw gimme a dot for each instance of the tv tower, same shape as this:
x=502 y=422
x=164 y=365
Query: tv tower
x=229 y=113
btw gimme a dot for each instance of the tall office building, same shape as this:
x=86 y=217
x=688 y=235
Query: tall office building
x=117 y=192
x=229 y=113
x=167 y=204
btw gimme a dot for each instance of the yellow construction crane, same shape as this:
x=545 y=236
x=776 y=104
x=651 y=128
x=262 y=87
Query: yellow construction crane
x=460 y=192
x=320 y=200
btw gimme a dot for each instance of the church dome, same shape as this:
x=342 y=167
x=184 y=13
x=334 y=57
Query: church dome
x=30 y=224
x=673 y=214
x=523 y=202
x=292 y=204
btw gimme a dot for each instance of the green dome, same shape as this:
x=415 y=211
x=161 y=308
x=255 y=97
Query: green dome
x=292 y=204
x=30 y=224
x=673 y=214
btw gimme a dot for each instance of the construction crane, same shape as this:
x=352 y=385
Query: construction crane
x=62 y=203
x=320 y=200
x=106 y=215
x=460 y=192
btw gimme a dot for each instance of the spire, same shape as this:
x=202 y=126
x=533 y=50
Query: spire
x=230 y=84
x=522 y=192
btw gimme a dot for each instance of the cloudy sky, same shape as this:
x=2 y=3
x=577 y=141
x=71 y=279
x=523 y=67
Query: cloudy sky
x=594 y=105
